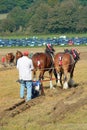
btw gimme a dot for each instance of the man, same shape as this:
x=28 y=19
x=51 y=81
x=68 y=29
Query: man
x=25 y=67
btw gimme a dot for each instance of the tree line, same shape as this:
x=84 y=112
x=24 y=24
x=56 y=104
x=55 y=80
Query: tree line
x=44 y=17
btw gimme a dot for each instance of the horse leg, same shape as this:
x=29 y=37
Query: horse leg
x=41 y=76
x=51 y=84
x=61 y=79
x=65 y=84
x=55 y=74
x=34 y=75
x=42 y=89
x=59 y=82
x=71 y=81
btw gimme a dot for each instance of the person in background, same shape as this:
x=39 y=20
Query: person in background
x=30 y=55
x=25 y=68
x=3 y=60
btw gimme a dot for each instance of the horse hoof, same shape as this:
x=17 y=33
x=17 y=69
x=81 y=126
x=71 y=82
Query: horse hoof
x=58 y=85
x=65 y=86
x=71 y=83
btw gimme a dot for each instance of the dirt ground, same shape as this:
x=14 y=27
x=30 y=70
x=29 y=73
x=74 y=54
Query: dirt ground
x=60 y=106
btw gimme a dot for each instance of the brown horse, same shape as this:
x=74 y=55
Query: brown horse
x=10 y=58
x=18 y=55
x=64 y=63
x=44 y=62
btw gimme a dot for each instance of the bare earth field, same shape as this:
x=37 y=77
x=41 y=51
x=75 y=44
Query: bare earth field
x=58 y=110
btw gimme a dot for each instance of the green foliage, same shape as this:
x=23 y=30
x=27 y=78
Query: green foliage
x=42 y=17
x=7 y=5
x=83 y=2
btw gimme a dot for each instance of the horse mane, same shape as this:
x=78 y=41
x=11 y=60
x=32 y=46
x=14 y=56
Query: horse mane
x=74 y=53
x=50 y=50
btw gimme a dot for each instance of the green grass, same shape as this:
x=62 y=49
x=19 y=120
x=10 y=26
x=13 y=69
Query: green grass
x=70 y=35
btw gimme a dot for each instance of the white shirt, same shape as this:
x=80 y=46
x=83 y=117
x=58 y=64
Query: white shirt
x=25 y=67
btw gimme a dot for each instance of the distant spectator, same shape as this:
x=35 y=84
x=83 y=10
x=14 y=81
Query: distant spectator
x=3 y=60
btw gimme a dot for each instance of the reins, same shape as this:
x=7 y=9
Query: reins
x=54 y=67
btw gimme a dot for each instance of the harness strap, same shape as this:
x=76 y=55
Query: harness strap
x=73 y=53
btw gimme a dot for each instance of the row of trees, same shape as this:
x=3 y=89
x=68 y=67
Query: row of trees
x=48 y=16
x=7 y=5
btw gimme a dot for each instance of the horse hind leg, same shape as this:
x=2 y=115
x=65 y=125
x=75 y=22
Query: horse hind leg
x=34 y=75
x=65 y=84
x=51 y=84
x=61 y=79
x=58 y=81
x=71 y=81
x=41 y=75
x=41 y=91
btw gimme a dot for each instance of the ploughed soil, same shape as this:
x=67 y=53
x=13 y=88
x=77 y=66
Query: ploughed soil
x=57 y=103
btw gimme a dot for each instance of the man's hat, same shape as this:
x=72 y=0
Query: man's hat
x=25 y=53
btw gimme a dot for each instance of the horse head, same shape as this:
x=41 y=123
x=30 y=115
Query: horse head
x=74 y=53
x=19 y=54
x=49 y=49
x=10 y=58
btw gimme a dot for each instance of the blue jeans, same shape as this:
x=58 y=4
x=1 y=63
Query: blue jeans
x=28 y=86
